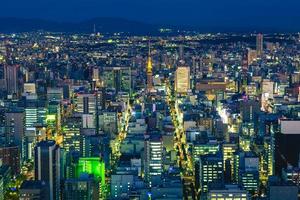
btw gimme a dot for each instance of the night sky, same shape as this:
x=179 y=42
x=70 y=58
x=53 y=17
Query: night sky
x=206 y=13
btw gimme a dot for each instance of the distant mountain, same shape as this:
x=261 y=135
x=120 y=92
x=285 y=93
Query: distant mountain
x=110 y=25
x=113 y=25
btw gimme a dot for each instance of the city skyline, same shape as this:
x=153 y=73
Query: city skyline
x=150 y=100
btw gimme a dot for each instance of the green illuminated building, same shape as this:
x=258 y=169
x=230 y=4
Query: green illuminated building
x=94 y=166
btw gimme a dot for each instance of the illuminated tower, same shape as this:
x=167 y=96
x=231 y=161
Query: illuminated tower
x=149 y=71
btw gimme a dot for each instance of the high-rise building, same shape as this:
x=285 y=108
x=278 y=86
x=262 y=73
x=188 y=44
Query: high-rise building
x=93 y=166
x=182 y=80
x=121 y=184
x=11 y=79
x=287 y=144
x=34 y=190
x=86 y=104
x=118 y=78
x=267 y=94
x=96 y=77
x=10 y=156
x=249 y=110
x=14 y=122
x=211 y=172
x=53 y=118
x=259 y=44
x=47 y=166
x=153 y=151
x=108 y=122
x=252 y=56
x=248 y=171
x=228 y=151
x=83 y=188
x=71 y=131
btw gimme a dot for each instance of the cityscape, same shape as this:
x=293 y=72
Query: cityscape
x=164 y=113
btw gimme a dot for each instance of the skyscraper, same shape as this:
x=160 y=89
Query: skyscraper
x=86 y=104
x=182 y=80
x=287 y=144
x=11 y=78
x=259 y=44
x=153 y=159
x=14 y=122
x=118 y=78
x=83 y=188
x=211 y=172
x=47 y=166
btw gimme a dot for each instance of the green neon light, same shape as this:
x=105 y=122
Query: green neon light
x=92 y=165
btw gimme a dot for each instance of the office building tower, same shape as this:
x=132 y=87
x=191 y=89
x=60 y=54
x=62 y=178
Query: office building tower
x=287 y=145
x=249 y=110
x=10 y=156
x=267 y=94
x=14 y=122
x=92 y=166
x=248 y=171
x=88 y=121
x=268 y=158
x=83 y=188
x=259 y=44
x=108 y=122
x=228 y=151
x=53 y=117
x=252 y=56
x=153 y=152
x=47 y=163
x=11 y=79
x=211 y=174
x=181 y=52
x=71 y=131
x=117 y=78
x=34 y=190
x=121 y=184
x=96 y=77
x=182 y=80
x=86 y=104
x=91 y=145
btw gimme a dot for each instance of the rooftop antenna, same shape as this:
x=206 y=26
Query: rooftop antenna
x=149 y=48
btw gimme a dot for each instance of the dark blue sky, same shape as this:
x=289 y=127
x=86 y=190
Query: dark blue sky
x=214 y=13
